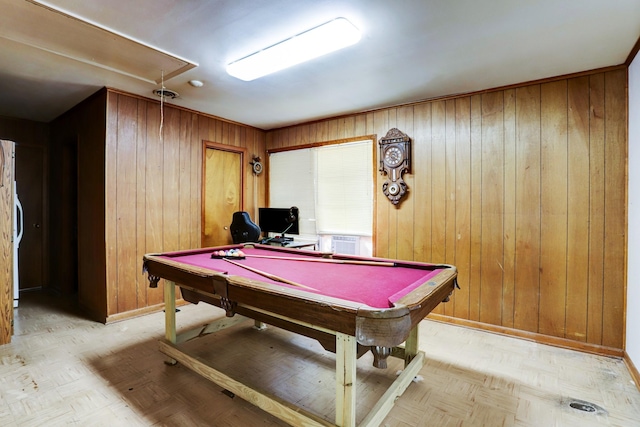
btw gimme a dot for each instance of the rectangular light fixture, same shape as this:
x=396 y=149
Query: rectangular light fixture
x=329 y=37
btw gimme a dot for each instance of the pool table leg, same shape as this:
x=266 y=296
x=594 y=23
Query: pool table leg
x=411 y=346
x=170 y=315
x=346 y=351
x=259 y=325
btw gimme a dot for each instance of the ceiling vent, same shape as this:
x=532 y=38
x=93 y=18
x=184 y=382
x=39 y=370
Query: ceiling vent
x=167 y=93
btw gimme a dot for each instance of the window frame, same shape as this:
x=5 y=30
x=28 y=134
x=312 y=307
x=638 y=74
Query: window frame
x=374 y=170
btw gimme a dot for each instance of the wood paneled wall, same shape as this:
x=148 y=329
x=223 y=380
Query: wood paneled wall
x=84 y=125
x=25 y=132
x=153 y=188
x=523 y=189
x=139 y=192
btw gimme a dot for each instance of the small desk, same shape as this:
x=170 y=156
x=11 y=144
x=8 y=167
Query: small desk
x=295 y=244
x=350 y=304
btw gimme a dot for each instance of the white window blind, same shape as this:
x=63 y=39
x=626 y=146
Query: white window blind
x=291 y=183
x=344 y=203
x=332 y=185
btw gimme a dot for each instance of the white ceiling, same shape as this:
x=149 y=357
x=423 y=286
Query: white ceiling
x=410 y=50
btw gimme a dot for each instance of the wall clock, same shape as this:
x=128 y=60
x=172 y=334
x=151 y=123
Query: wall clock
x=256 y=165
x=395 y=160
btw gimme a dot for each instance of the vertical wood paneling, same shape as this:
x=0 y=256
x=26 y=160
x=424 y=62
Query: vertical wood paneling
x=450 y=190
x=492 y=208
x=596 y=208
x=422 y=184
x=322 y=131
x=226 y=137
x=153 y=188
x=553 y=206
x=381 y=126
x=463 y=205
x=527 y=292
x=615 y=196
x=140 y=200
x=195 y=180
x=524 y=190
x=509 y=220
x=438 y=181
x=125 y=152
x=406 y=214
x=578 y=208
x=312 y=132
x=247 y=190
x=332 y=131
x=476 y=206
x=153 y=178
x=360 y=125
x=438 y=170
x=184 y=204
x=218 y=131
x=87 y=124
x=171 y=180
x=154 y=194
x=111 y=203
x=302 y=134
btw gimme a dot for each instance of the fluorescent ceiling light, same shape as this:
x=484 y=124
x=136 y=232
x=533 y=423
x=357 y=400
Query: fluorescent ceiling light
x=318 y=41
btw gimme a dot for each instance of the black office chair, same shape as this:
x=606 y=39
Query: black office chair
x=243 y=229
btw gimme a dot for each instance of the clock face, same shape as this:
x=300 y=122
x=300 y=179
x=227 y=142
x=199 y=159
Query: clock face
x=393 y=156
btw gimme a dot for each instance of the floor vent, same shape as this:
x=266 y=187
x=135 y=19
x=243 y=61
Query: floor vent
x=584 y=406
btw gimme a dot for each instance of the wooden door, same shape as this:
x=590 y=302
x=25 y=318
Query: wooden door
x=222 y=190
x=6 y=240
x=30 y=166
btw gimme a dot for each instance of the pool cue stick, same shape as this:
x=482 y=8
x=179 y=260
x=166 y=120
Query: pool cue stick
x=269 y=275
x=327 y=260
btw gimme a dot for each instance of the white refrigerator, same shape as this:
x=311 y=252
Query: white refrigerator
x=18 y=226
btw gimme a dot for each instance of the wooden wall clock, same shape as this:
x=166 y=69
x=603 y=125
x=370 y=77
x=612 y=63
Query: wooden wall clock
x=395 y=160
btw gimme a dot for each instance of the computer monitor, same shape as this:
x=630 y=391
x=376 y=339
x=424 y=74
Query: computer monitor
x=278 y=220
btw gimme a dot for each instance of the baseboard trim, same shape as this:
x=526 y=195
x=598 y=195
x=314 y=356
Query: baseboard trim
x=532 y=336
x=635 y=374
x=140 y=312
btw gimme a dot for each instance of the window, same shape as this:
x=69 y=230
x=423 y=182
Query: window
x=344 y=199
x=332 y=185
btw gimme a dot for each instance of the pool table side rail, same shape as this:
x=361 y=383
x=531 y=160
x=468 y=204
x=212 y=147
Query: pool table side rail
x=289 y=302
x=243 y=289
x=317 y=254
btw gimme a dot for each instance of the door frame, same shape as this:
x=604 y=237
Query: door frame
x=243 y=152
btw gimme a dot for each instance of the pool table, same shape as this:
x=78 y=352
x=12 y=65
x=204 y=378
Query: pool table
x=350 y=304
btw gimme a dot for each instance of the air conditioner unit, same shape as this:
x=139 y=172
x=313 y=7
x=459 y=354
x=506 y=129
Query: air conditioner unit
x=349 y=245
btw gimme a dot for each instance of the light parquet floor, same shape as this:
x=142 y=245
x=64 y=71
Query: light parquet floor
x=62 y=369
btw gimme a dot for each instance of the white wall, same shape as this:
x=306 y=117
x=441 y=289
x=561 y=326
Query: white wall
x=633 y=271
